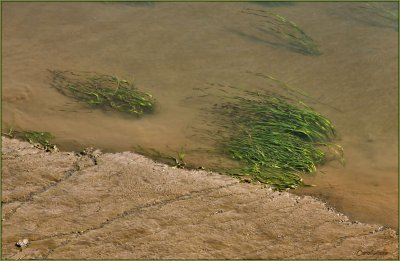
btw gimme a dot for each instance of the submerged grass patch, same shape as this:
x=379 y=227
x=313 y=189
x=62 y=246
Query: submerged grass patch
x=103 y=91
x=273 y=138
x=287 y=31
x=154 y=154
x=40 y=139
x=376 y=14
x=383 y=14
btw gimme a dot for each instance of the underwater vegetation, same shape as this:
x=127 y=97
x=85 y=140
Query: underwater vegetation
x=41 y=140
x=175 y=161
x=376 y=14
x=382 y=14
x=287 y=31
x=273 y=138
x=103 y=91
x=292 y=90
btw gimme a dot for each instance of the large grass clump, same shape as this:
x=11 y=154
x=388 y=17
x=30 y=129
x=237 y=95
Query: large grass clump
x=290 y=34
x=103 y=91
x=274 y=138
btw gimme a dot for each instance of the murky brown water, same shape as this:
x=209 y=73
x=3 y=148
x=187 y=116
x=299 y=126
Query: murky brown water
x=171 y=48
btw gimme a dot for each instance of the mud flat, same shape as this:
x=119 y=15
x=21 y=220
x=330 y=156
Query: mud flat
x=125 y=206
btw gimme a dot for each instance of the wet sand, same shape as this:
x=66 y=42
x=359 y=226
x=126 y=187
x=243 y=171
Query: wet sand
x=125 y=206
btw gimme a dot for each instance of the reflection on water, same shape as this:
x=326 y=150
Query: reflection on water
x=174 y=49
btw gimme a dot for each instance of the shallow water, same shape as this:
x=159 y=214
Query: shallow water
x=171 y=48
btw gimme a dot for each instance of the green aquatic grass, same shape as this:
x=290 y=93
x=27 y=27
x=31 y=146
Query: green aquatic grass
x=289 y=89
x=387 y=14
x=40 y=139
x=103 y=91
x=382 y=11
x=287 y=31
x=274 y=138
x=157 y=155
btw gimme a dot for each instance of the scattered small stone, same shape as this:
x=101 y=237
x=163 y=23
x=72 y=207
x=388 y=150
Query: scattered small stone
x=217 y=212
x=92 y=153
x=22 y=243
x=245 y=180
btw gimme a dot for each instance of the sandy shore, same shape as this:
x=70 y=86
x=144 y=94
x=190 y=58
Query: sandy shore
x=125 y=206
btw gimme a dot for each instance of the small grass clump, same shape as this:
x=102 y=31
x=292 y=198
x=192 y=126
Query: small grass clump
x=274 y=138
x=154 y=154
x=41 y=140
x=103 y=91
x=287 y=31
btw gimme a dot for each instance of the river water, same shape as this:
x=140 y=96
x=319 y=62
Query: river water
x=172 y=49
